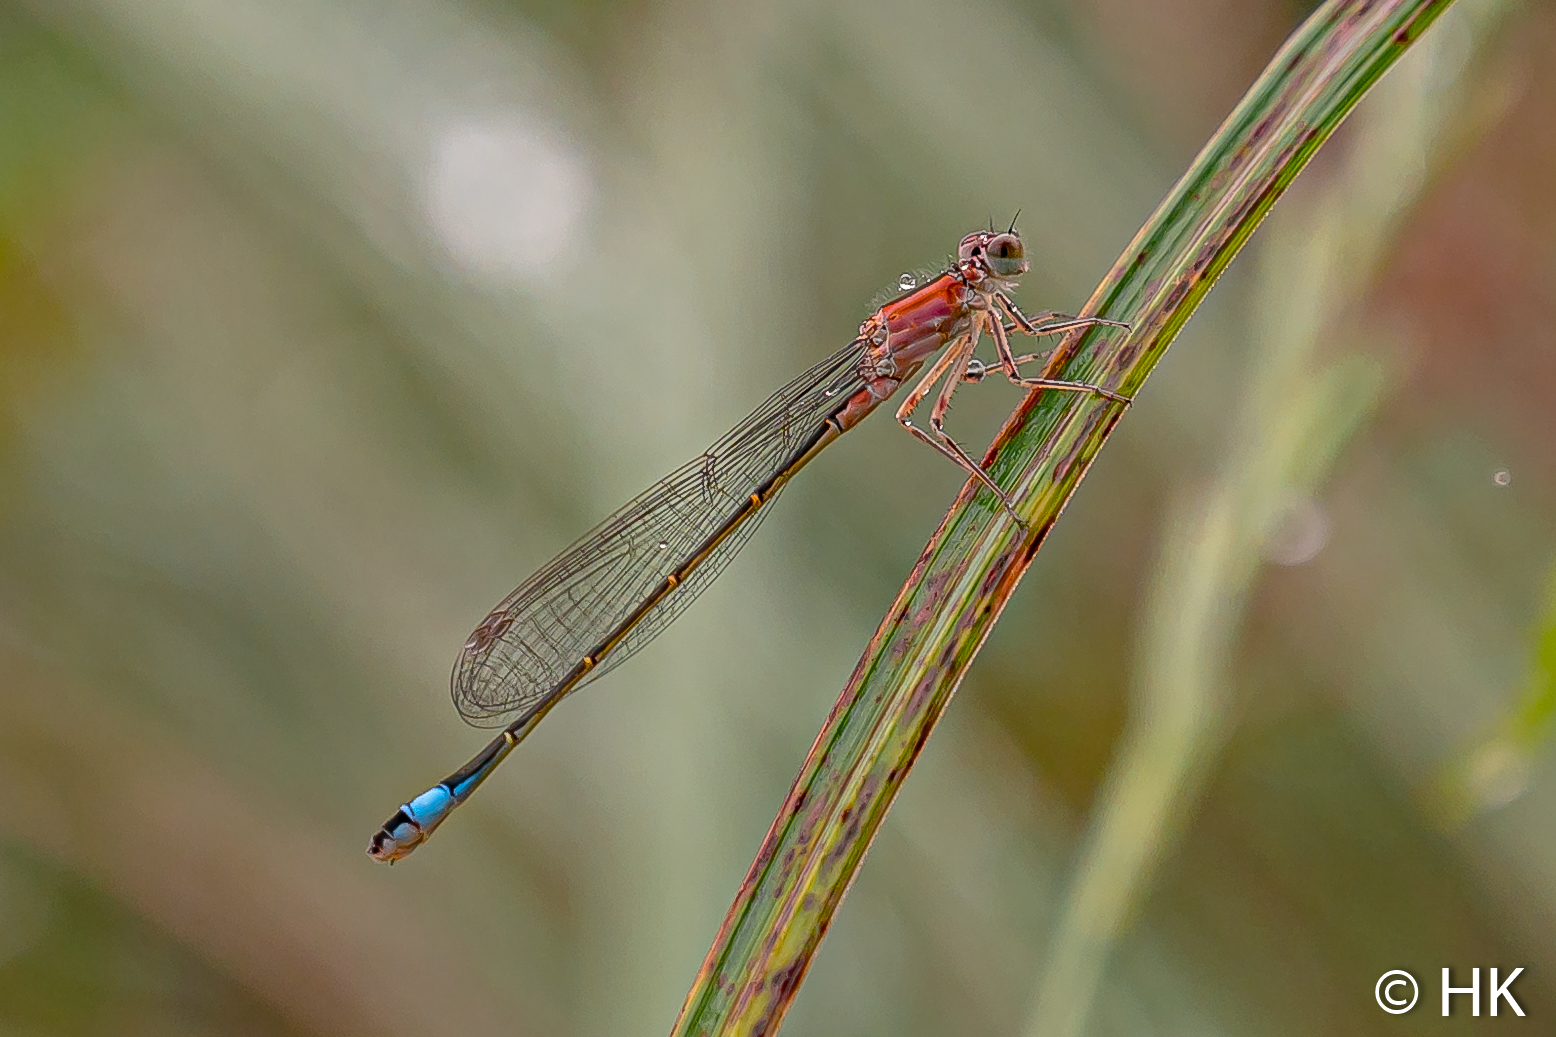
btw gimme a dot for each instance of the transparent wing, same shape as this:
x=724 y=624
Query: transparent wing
x=519 y=655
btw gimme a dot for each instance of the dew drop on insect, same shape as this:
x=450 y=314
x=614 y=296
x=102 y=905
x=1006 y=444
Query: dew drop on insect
x=1502 y=477
x=664 y=545
x=907 y=281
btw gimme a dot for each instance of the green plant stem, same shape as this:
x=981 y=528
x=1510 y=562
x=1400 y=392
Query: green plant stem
x=1319 y=261
x=975 y=559
x=1497 y=768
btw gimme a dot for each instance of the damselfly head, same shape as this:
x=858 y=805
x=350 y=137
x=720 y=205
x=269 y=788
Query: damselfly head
x=1000 y=253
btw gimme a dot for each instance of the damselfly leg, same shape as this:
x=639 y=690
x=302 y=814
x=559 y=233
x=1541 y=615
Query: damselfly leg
x=1030 y=326
x=957 y=365
x=954 y=360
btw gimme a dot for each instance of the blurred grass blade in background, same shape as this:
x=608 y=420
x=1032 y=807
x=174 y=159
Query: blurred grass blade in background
x=1498 y=767
x=1327 y=247
x=321 y=322
x=972 y=564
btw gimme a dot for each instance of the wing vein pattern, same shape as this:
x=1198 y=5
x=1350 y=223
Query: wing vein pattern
x=527 y=646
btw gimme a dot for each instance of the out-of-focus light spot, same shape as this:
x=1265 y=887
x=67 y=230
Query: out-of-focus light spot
x=1501 y=476
x=1498 y=774
x=1300 y=533
x=505 y=196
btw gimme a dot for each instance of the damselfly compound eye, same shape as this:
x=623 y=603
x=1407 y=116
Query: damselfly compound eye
x=1003 y=247
x=1005 y=255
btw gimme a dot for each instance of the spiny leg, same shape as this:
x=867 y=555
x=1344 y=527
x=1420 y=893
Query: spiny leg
x=1010 y=364
x=977 y=370
x=957 y=354
x=942 y=405
x=1038 y=326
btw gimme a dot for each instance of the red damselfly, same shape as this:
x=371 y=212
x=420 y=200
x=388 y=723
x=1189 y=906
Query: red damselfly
x=594 y=605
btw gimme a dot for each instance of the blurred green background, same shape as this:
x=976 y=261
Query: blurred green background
x=323 y=323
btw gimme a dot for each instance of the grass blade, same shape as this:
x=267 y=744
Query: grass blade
x=1315 y=374
x=975 y=559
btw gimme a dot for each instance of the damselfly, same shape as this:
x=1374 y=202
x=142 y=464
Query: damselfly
x=613 y=591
